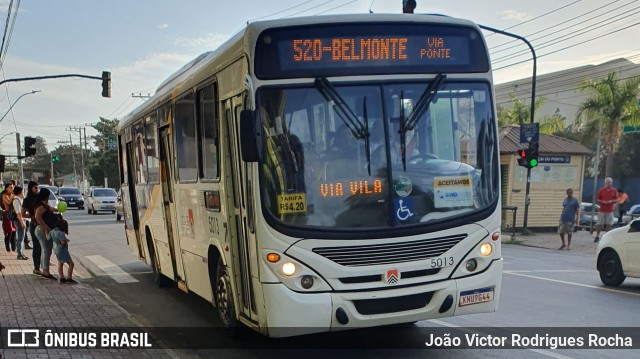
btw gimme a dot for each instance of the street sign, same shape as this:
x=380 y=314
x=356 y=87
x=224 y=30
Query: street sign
x=631 y=129
x=529 y=133
x=111 y=139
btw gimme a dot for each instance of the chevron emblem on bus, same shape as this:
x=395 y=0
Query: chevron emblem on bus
x=392 y=276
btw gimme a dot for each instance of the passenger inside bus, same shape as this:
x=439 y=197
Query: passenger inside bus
x=342 y=154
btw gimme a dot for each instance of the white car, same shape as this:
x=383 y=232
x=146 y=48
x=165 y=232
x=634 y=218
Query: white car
x=53 y=200
x=619 y=254
x=101 y=199
x=632 y=213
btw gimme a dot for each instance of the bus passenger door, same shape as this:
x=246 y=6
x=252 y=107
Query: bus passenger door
x=168 y=194
x=245 y=267
x=131 y=197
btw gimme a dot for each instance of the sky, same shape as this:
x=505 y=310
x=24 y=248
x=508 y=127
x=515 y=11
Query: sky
x=142 y=42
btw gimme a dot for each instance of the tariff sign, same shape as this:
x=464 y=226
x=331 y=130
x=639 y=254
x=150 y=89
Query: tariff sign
x=292 y=203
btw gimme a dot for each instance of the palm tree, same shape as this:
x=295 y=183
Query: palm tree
x=612 y=105
x=520 y=113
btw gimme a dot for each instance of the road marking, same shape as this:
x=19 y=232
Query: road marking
x=539 y=351
x=552 y=271
x=112 y=270
x=573 y=283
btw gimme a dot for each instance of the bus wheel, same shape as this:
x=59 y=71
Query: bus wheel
x=160 y=279
x=224 y=300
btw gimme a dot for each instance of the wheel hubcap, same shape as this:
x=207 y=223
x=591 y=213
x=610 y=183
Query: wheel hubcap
x=610 y=268
x=223 y=298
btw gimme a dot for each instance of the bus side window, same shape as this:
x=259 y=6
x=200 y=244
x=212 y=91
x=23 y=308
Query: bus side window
x=209 y=143
x=185 y=134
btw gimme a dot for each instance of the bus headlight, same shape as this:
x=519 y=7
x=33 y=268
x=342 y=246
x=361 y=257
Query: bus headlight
x=486 y=249
x=288 y=269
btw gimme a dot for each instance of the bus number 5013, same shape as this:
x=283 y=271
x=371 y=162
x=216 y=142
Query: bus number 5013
x=441 y=262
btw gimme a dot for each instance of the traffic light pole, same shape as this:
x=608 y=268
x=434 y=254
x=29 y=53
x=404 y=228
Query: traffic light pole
x=19 y=148
x=533 y=106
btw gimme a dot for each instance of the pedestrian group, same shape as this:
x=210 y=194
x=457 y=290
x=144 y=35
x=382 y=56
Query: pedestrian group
x=47 y=228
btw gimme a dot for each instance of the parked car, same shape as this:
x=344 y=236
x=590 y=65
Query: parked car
x=632 y=213
x=619 y=254
x=53 y=200
x=101 y=199
x=586 y=218
x=119 y=207
x=53 y=189
x=585 y=215
x=72 y=196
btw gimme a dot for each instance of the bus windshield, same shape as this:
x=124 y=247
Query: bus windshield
x=319 y=170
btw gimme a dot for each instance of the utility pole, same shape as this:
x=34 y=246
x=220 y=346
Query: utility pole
x=73 y=157
x=596 y=172
x=53 y=177
x=81 y=154
x=84 y=130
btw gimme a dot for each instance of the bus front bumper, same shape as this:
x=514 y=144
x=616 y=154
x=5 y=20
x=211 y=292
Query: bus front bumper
x=291 y=313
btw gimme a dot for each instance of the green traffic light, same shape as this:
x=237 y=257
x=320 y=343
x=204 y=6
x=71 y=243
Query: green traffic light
x=533 y=162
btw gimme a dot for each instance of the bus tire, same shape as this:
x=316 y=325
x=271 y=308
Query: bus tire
x=160 y=279
x=225 y=302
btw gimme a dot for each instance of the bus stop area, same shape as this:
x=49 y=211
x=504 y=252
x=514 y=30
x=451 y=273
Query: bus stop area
x=29 y=302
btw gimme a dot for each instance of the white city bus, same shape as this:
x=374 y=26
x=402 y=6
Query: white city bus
x=323 y=173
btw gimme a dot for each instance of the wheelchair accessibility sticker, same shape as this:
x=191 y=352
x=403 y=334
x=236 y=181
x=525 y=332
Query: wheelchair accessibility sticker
x=404 y=208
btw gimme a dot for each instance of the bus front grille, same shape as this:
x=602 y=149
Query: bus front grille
x=388 y=253
x=392 y=305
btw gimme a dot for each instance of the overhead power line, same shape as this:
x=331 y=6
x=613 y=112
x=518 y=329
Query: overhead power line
x=571 y=35
x=570 y=46
x=538 y=17
x=589 y=12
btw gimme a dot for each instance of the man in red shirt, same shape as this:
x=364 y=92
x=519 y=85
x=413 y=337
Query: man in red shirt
x=607 y=198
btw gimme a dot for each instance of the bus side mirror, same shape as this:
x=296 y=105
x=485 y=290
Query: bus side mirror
x=249 y=136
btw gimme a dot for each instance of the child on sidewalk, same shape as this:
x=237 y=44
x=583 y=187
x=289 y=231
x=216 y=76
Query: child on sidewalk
x=59 y=236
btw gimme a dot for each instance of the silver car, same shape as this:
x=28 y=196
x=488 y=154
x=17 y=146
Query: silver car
x=101 y=199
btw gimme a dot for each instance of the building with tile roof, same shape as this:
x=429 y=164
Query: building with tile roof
x=561 y=166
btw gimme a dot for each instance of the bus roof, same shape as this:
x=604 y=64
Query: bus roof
x=242 y=43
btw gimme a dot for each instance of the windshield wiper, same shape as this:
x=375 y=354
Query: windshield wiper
x=343 y=110
x=425 y=101
x=358 y=129
x=402 y=132
x=367 y=148
x=422 y=105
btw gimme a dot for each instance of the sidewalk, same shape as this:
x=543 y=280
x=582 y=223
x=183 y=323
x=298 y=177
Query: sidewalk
x=581 y=241
x=28 y=301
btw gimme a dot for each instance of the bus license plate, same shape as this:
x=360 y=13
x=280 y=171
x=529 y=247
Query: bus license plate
x=476 y=296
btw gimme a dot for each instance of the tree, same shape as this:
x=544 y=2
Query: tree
x=520 y=113
x=627 y=158
x=104 y=162
x=612 y=105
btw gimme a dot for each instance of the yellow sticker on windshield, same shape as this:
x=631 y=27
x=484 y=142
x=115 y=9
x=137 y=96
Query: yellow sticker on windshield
x=292 y=203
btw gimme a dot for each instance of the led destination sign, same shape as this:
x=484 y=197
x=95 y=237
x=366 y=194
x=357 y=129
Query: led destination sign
x=369 y=49
x=383 y=50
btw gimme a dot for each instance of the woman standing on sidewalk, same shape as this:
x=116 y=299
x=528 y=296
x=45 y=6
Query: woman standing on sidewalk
x=18 y=222
x=42 y=231
x=29 y=211
x=7 y=225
